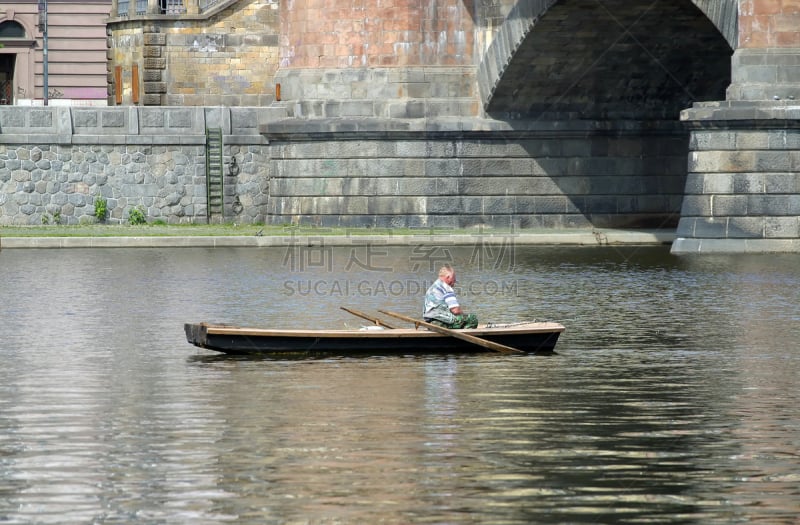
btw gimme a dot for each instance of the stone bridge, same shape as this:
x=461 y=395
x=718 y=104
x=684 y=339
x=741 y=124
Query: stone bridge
x=443 y=113
x=641 y=113
x=509 y=60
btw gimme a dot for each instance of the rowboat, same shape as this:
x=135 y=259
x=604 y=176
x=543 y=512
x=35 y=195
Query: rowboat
x=528 y=337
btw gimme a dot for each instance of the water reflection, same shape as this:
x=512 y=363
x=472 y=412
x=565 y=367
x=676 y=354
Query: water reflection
x=674 y=397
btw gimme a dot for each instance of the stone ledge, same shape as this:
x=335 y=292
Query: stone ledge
x=684 y=246
x=583 y=237
x=745 y=114
x=35 y=138
x=242 y=140
x=111 y=124
x=380 y=128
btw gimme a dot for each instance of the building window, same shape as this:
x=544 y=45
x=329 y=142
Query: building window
x=10 y=29
x=122 y=7
x=207 y=4
x=172 y=7
x=7 y=78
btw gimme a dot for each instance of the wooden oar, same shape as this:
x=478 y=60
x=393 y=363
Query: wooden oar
x=375 y=320
x=491 y=345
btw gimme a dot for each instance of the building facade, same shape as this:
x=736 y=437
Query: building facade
x=74 y=67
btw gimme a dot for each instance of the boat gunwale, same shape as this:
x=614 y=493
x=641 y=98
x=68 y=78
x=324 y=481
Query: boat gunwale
x=528 y=328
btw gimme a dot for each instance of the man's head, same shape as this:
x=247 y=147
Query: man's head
x=447 y=274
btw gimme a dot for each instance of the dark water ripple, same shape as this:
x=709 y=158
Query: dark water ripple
x=673 y=397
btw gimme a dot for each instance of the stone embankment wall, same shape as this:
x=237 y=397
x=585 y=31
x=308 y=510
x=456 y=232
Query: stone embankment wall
x=54 y=163
x=465 y=173
x=423 y=172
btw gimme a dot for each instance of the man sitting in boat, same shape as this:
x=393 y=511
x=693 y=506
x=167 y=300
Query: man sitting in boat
x=441 y=303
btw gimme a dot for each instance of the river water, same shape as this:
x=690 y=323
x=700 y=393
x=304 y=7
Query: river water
x=674 y=395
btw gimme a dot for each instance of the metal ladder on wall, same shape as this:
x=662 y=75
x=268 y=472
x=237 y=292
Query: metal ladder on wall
x=215 y=195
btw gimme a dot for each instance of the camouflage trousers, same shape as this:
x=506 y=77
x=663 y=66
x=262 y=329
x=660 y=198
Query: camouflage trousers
x=461 y=321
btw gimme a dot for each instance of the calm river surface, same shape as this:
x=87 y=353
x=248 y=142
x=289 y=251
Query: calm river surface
x=674 y=396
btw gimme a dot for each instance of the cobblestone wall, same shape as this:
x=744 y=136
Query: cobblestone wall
x=59 y=184
x=56 y=162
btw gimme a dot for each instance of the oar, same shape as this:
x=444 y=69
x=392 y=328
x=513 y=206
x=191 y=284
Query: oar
x=375 y=320
x=491 y=345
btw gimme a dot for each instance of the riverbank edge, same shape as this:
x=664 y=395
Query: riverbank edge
x=596 y=237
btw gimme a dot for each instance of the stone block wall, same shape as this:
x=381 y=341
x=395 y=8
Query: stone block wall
x=125 y=49
x=455 y=175
x=404 y=93
x=743 y=183
x=766 y=74
x=226 y=58
x=238 y=53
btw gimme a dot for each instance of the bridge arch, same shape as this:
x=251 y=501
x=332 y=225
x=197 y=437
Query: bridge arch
x=610 y=59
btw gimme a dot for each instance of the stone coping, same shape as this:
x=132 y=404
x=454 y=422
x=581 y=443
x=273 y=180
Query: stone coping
x=758 y=114
x=598 y=237
x=376 y=127
x=684 y=246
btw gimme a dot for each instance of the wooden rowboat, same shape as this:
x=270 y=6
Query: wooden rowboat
x=373 y=340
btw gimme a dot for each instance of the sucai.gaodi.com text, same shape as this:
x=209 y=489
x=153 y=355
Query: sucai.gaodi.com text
x=391 y=288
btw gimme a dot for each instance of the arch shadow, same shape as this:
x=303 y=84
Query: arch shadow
x=601 y=83
x=608 y=59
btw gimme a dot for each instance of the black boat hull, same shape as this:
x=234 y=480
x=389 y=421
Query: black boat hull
x=530 y=337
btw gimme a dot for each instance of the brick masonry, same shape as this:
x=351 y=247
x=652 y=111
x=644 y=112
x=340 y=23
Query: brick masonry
x=377 y=34
x=237 y=54
x=769 y=23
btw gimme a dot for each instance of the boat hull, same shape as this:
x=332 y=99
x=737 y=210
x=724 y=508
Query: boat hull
x=528 y=337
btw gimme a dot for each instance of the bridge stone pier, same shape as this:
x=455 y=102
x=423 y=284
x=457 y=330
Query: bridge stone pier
x=522 y=114
x=743 y=185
